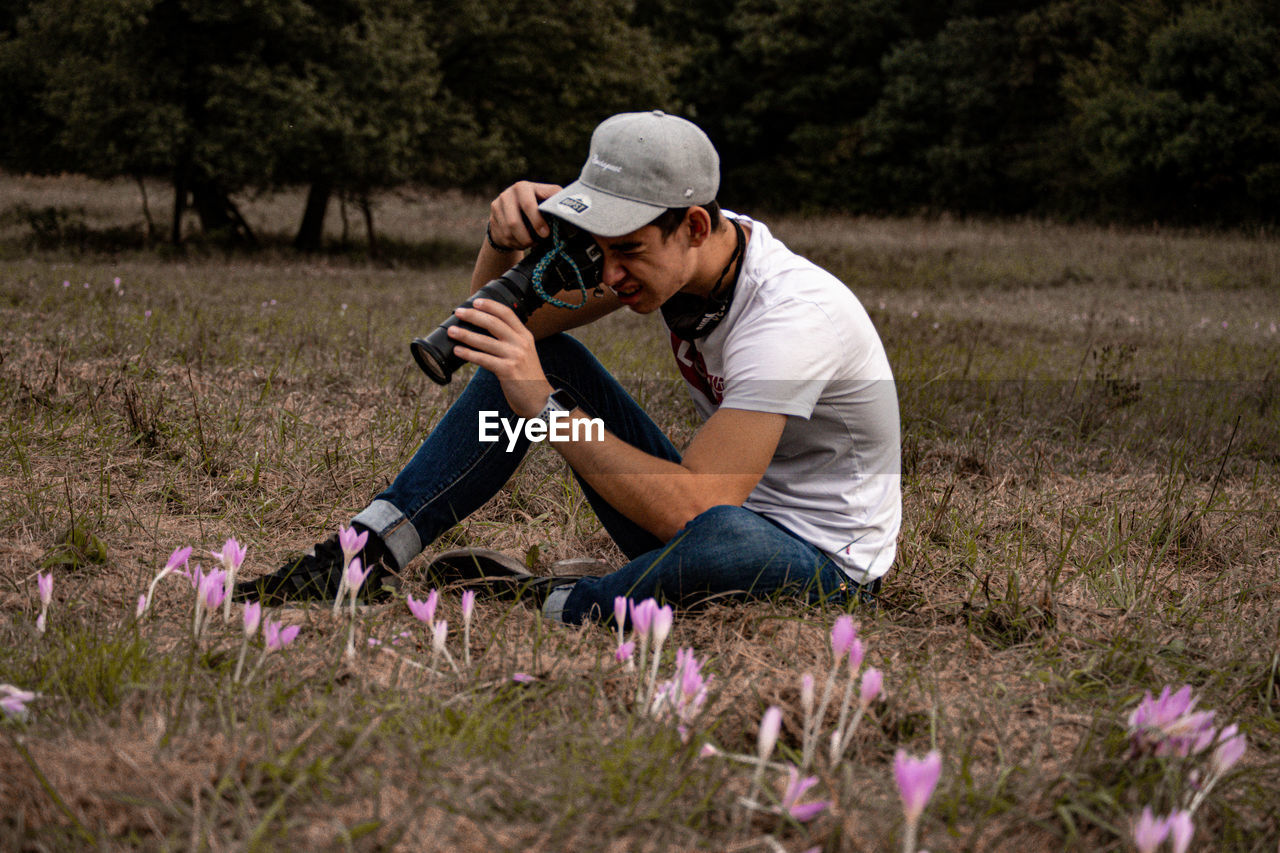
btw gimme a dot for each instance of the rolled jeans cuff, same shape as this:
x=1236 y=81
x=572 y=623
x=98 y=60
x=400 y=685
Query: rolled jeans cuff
x=390 y=525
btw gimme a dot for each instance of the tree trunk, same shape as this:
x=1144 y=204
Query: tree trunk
x=146 y=209
x=179 y=201
x=366 y=208
x=218 y=214
x=311 y=231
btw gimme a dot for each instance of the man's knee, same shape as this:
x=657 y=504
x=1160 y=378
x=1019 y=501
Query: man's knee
x=722 y=520
x=561 y=349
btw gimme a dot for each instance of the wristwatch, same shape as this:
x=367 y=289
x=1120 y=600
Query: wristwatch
x=558 y=400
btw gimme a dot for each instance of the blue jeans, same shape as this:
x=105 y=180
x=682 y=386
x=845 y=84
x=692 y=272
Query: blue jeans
x=725 y=552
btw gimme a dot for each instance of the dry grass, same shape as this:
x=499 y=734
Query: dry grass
x=1091 y=512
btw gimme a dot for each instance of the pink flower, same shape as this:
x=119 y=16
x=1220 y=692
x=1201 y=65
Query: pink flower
x=625 y=651
x=1181 y=829
x=1149 y=831
x=142 y=606
x=212 y=588
x=424 y=611
x=13 y=700
x=351 y=542
x=856 y=653
x=44 y=582
x=842 y=635
x=642 y=615
x=708 y=751
x=1169 y=725
x=523 y=678
x=1231 y=747
x=355 y=577
x=663 y=617
x=620 y=613
x=770 y=726
x=468 y=605
x=252 y=616
x=870 y=686
x=796 y=788
x=232 y=555
x=916 y=778
x=179 y=557
x=278 y=636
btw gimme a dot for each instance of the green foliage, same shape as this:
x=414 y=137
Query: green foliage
x=540 y=76
x=1180 y=117
x=1165 y=109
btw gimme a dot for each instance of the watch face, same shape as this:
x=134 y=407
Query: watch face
x=561 y=399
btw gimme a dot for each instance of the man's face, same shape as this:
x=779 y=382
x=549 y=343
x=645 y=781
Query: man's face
x=645 y=269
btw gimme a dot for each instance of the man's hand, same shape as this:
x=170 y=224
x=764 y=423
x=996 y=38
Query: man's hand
x=508 y=212
x=509 y=354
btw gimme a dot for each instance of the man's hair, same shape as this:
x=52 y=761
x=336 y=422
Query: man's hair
x=670 y=220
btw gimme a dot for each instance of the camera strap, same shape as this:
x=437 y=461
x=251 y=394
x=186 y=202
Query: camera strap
x=540 y=269
x=688 y=316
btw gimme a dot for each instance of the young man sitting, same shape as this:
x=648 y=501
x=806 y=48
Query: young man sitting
x=791 y=485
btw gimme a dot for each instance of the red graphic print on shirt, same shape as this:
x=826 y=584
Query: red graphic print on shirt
x=694 y=370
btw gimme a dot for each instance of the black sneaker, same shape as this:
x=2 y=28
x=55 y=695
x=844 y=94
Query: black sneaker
x=316 y=575
x=493 y=575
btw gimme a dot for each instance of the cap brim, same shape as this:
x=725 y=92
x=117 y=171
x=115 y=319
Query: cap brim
x=598 y=212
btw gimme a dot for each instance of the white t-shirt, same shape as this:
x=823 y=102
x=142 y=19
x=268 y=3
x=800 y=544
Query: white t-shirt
x=797 y=342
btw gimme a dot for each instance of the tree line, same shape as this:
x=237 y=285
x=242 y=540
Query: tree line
x=1150 y=110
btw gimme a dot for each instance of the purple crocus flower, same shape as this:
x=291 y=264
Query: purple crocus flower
x=770 y=726
x=279 y=636
x=13 y=701
x=1149 y=831
x=356 y=574
x=1181 y=829
x=842 y=635
x=620 y=614
x=1231 y=747
x=439 y=634
x=870 y=686
x=424 y=611
x=642 y=616
x=252 y=617
x=797 y=785
x=44 y=584
x=179 y=557
x=1170 y=725
x=625 y=651
x=231 y=556
x=351 y=542
x=212 y=589
x=916 y=778
x=856 y=653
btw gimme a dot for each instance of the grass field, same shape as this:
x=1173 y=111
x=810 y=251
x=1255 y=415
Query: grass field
x=1091 y=457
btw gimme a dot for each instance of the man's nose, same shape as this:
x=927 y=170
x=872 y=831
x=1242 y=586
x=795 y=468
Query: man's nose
x=613 y=272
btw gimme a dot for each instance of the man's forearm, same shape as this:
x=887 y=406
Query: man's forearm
x=658 y=495
x=491 y=263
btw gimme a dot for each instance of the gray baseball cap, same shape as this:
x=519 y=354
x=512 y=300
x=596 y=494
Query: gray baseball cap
x=640 y=164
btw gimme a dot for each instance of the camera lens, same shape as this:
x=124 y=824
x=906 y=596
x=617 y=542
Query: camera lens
x=431 y=360
x=516 y=290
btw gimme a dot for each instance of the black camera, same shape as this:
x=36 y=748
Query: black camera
x=568 y=259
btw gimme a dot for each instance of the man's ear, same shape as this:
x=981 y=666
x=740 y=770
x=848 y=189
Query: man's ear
x=699 y=223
